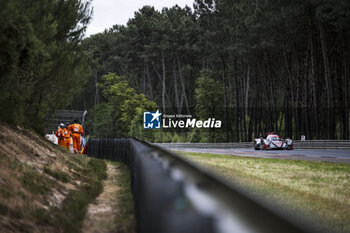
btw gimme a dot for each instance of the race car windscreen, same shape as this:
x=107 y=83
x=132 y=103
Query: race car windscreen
x=274 y=138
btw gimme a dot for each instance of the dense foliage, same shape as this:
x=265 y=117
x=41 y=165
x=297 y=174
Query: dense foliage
x=256 y=65
x=41 y=61
x=262 y=65
x=113 y=117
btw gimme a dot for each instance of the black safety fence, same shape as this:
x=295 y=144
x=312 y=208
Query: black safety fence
x=173 y=195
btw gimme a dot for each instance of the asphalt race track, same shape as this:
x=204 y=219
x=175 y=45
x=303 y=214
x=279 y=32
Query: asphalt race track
x=329 y=155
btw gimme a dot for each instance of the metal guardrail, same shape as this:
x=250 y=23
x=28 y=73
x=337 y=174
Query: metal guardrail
x=322 y=144
x=173 y=195
x=206 y=145
x=312 y=144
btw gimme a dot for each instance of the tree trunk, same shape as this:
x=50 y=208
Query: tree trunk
x=273 y=99
x=345 y=105
x=97 y=97
x=163 y=84
x=306 y=93
x=247 y=91
x=345 y=87
x=327 y=82
x=184 y=97
x=314 y=89
x=291 y=92
x=225 y=98
x=175 y=87
x=236 y=101
x=143 y=79
x=241 y=103
x=150 y=86
x=163 y=81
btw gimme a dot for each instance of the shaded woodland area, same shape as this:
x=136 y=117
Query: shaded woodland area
x=42 y=64
x=271 y=65
x=257 y=65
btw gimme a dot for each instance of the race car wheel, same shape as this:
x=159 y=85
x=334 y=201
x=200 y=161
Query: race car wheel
x=255 y=146
x=262 y=147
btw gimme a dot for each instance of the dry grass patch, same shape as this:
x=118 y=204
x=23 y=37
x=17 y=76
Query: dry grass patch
x=113 y=210
x=316 y=190
x=44 y=188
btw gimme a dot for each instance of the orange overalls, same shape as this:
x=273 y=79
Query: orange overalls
x=77 y=131
x=67 y=134
x=59 y=135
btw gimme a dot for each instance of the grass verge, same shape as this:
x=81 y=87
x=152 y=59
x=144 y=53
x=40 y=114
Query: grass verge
x=58 y=175
x=315 y=190
x=113 y=209
x=125 y=220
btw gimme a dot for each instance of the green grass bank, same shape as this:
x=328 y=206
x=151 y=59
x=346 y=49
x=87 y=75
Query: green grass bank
x=319 y=191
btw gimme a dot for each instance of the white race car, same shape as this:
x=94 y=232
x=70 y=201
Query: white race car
x=273 y=142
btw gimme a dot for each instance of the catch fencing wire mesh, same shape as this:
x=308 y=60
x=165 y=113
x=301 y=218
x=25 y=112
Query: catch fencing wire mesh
x=63 y=116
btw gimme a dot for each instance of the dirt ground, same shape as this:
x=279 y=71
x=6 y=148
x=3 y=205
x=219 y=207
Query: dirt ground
x=102 y=213
x=42 y=183
x=23 y=153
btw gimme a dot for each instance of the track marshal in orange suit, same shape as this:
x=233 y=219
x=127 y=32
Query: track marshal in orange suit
x=77 y=132
x=67 y=134
x=59 y=135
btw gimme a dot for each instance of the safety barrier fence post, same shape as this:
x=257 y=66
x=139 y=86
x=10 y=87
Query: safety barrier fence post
x=173 y=195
